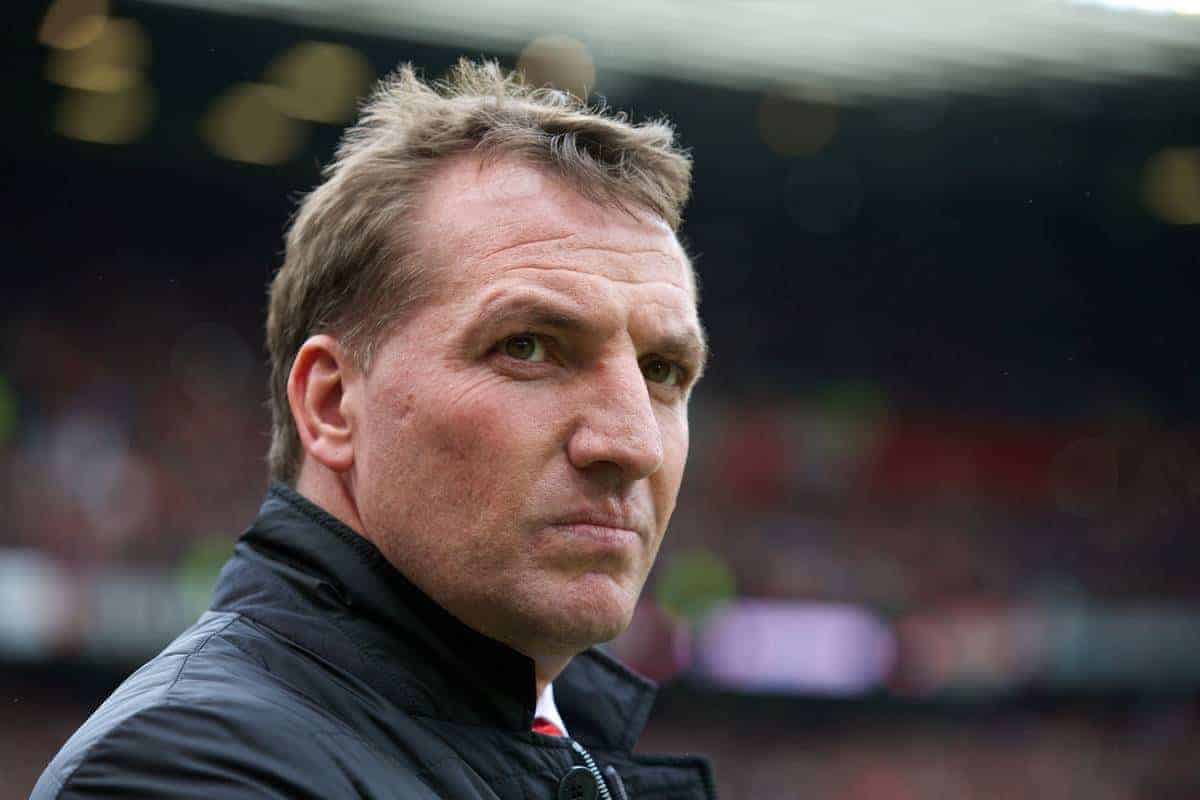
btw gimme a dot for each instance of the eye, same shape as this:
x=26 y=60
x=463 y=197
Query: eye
x=524 y=347
x=660 y=370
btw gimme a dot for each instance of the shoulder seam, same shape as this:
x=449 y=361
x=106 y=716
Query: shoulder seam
x=63 y=780
x=183 y=665
x=411 y=700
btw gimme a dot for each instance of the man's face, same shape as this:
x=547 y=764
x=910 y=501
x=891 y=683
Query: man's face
x=522 y=437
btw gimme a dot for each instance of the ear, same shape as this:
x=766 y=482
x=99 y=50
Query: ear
x=321 y=394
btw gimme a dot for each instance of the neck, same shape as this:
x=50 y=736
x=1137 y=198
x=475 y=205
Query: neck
x=545 y=671
x=327 y=490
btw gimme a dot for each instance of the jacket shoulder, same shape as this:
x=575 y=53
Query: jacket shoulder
x=196 y=721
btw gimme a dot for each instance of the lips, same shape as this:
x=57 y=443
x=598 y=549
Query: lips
x=602 y=523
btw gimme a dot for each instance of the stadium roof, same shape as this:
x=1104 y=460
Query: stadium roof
x=854 y=46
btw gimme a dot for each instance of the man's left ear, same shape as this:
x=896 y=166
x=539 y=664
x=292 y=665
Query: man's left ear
x=321 y=396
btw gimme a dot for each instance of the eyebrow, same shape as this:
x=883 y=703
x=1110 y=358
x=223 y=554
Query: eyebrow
x=690 y=345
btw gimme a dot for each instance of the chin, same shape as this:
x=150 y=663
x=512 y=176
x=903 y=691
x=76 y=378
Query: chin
x=596 y=609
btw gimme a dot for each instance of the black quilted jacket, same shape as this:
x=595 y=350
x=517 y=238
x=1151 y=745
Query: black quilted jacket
x=320 y=672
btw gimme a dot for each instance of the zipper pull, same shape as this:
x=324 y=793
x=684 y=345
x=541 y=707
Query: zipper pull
x=601 y=788
x=613 y=778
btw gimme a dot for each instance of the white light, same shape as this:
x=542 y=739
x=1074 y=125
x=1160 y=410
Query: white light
x=812 y=648
x=35 y=594
x=853 y=46
x=1147 y=6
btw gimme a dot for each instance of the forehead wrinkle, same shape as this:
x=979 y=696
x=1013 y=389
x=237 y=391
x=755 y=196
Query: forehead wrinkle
x=527 y=243
x=662 y=256
x=632 y=251
x=591 y=273
x=549 y=233
x=553 y=244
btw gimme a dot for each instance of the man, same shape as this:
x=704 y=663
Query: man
x=483 y=340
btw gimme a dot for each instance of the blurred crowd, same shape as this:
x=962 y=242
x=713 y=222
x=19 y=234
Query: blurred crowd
x=828 y=499
x=138 y=430
x=134 y=431
x=1147 y=755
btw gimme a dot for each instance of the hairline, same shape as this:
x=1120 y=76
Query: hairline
x=362 y=350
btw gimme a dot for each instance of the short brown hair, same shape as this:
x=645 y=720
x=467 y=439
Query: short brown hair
x=350 y=267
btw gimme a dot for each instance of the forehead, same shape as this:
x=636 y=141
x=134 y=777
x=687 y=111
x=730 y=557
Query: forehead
x=506 y=221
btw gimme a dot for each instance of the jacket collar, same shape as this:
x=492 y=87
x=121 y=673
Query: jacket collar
x=308 y=576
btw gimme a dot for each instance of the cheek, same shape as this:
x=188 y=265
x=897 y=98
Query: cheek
x=469 y=453
x=459 y=455
x=675 y=452
x=666 y=482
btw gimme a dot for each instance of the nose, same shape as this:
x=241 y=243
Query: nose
x=617 y=432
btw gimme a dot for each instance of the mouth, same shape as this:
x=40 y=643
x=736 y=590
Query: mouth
x=602 y=524
x=602 y=533
x=608 y=535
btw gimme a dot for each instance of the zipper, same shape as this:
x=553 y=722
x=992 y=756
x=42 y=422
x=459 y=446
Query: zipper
x=590 y=763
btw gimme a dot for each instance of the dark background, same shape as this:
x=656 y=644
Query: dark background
x=938 y=536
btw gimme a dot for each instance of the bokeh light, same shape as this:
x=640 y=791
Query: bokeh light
x=319 y=81
x=1171 y=185
x=70 y=24
x=561 y=62
x=694 y=583
x=8 y=410
x=245 y=124
x=106 y=117
x=112 y=62
x=798 y=123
